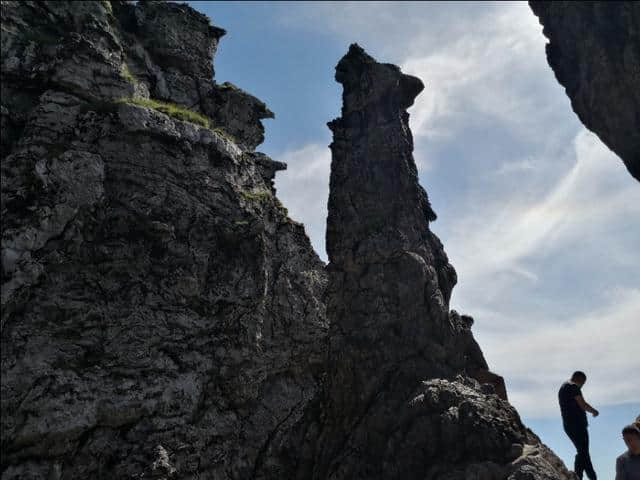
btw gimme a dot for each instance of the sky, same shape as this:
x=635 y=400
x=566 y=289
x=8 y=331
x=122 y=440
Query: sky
x=538 y=217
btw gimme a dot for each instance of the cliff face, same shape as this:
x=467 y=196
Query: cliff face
x=161 y=315
x=408 y=393
x=594 y=51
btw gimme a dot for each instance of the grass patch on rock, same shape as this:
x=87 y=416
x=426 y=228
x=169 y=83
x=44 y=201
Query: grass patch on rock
x=171 y=109
x=227 y=86
x=256 y=196
x=107 y=6
x=264 y=197
x=128 y=76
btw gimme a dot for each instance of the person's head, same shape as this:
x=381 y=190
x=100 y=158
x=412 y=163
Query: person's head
x=579 y=378
x=631 y=437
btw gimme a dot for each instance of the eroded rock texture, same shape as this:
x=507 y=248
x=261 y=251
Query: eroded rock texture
x=161 y=315
x=594 y=51
x=403 y=400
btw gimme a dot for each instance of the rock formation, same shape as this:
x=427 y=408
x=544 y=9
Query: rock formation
x=401 y=400
x=594 y=51
x=162 y=317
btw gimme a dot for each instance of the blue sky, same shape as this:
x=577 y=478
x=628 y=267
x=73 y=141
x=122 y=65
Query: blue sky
x=538 y=217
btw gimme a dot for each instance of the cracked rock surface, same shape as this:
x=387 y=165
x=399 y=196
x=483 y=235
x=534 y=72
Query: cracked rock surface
x=162 y=317
x=594 y=51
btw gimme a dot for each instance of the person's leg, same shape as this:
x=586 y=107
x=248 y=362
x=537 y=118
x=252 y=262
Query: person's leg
x=588 y=467
x=581 y=442
x=578 y=465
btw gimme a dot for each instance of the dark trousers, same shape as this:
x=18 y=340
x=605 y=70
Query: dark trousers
x=580 y=438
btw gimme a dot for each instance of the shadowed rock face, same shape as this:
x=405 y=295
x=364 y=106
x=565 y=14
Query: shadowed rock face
x=594 y=51
x=162 y=317
x=401 y=400
x=390 y=278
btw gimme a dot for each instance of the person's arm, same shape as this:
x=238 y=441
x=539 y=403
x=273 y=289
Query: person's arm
x=620 y=473
x=585 y=406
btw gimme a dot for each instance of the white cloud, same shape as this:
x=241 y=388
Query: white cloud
x=535 y=345
x=515 y=167
x=513 y=229
x=601 y=343
x=495 y=71
x=304 y=189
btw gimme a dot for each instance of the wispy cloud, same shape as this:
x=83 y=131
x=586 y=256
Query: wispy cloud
x=572 y=251
x=600 y=342
x=513 y=229
x=515 y=167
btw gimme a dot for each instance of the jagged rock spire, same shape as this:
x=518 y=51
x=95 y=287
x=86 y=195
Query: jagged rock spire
x=402 y=397
x=391 y=275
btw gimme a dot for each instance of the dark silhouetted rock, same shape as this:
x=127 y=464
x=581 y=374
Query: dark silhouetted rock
x=238 y=113
x=594 y=51
x=402 y=397
x=161 y=315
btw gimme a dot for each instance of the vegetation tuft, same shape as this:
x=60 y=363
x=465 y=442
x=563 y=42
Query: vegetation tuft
x=126 y=73
x=261 y=196
x=107 y=6
x=264 y=197
x=176 y=111
x=227 y=86
x=171 y=109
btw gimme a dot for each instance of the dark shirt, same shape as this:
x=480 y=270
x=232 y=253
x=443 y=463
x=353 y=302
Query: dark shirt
x=628 y=467
x=572 y=414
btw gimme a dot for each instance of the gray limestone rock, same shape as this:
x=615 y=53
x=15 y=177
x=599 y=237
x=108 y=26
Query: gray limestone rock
x=162 y=317
x=238 y=113
x=594 y=51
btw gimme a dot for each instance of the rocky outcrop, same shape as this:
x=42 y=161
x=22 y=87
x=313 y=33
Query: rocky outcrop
x=594 y=51
x=161 y=315
x=401 y=400
x=238 y=113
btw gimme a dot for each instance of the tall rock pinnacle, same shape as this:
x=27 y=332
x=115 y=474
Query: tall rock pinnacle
x=390 y=278
x=409 y=394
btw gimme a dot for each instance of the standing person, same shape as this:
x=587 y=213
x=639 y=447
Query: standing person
x=574 y=420
x=628 y=464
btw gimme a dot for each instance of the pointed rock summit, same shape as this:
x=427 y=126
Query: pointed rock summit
x=409 y=394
